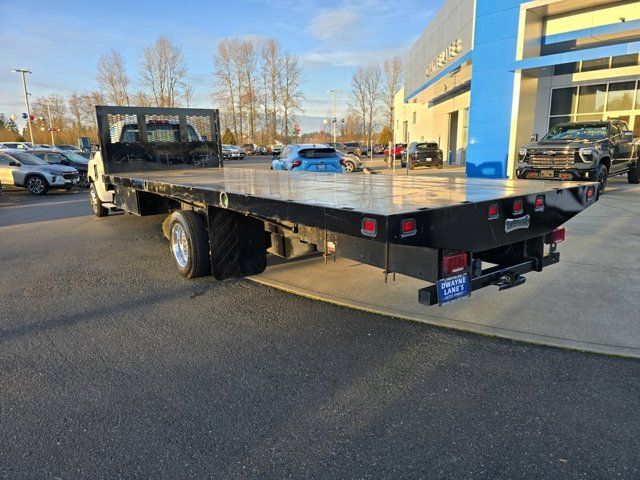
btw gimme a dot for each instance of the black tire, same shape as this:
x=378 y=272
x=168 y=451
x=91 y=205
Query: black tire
x=189 y=244
x=349 y=166
x=633 y=175
x=602 y=173
x=96 y=203
x=37 y=185
x=83 y=182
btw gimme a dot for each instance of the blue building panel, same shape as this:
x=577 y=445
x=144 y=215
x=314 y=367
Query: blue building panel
x=490 y=114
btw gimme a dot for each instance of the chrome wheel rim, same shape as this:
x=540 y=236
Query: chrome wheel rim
x=36 y=185
x=348 y=167
x=180 y=245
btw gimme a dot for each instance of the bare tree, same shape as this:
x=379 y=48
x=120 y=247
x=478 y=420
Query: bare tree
x=142 y=99
x=77 y=113
x=271 y=61
x=89 y=102
x=164 y=72
x=290 y=96
x=392 y=68
x=365 y=96
x=358 y=96
x=247 y=61
x=55 y=104
x=226 y=80
x=112 y=78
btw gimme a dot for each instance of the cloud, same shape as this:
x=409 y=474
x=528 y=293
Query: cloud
x=336 y=26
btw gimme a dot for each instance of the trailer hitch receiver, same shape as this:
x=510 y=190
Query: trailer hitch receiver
x=508 y=280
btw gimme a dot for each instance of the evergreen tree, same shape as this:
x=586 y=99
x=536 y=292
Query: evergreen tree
x=228 y=138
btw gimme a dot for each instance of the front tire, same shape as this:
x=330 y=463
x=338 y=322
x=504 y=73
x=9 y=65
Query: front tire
x=349 y=166
x=602 y=173
x=633 y=175
x=189 y=243
x=96 y=203
x=37 y=185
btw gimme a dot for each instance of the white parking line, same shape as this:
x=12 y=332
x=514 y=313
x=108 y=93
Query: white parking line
x=8 y=207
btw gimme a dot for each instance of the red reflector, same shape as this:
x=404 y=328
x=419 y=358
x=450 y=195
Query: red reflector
x=591 y=191
x=296 y=163
x=517 y=207
x=408 y=227
x=454 y=263
x=369 y=227
x=558 y=235
x=539 y=202
x=494 y=211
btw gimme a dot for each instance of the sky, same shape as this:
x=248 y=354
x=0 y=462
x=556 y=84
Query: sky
x=61 y=41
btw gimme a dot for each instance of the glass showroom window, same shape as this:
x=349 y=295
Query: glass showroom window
x=591 y=98
x=595 y=102
x=621 y=96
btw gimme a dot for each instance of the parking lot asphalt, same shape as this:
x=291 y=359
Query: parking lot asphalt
x=113 y=366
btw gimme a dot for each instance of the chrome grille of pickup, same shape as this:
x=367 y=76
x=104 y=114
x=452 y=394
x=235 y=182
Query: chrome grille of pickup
x=562 y=159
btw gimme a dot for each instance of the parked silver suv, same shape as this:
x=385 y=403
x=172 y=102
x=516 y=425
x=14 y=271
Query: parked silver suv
x=20 y=168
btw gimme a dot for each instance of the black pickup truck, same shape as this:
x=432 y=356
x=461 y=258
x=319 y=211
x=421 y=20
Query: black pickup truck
x=582 y=151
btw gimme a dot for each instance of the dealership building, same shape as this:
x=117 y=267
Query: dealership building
x=487 y=74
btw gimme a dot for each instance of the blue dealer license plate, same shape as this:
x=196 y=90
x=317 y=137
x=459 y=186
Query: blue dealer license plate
x=453 y=288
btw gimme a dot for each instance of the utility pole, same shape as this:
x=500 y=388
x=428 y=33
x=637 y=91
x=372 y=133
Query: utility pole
x=53 y=142
x=333 y=91
x=24 y=71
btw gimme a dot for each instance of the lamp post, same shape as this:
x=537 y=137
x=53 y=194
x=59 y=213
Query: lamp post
x=24 y=72
x=53 y=141
x=333 y=92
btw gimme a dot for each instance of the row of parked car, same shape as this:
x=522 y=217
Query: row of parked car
x=39 y=170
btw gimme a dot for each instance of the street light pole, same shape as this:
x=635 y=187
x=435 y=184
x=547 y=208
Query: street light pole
x=24 y=71
x=333 y=91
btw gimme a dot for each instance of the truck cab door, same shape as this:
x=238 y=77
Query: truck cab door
x=621 y=150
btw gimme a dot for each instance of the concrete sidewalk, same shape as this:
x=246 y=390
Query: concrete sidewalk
x=590 y=301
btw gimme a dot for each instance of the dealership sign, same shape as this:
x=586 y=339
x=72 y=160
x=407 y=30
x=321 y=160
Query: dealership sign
x=445 y=57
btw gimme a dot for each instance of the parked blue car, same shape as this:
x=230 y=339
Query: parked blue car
x=309 y=158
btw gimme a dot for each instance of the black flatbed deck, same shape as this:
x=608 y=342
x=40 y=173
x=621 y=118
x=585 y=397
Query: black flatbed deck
x=450 y=212
x=383 y=195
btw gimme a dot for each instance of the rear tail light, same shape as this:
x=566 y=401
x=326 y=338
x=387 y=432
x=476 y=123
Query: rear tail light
x=454 y=263
x=342 y=162
x=296 y=163
x=409 y=227
x=539 y=205
x=518 y=206
x=369 y=227
x=557 y=236
x=493 y=211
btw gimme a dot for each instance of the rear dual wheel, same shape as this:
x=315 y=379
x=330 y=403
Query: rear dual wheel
x=189 y=243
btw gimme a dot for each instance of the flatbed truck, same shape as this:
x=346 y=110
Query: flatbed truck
x=456 y=234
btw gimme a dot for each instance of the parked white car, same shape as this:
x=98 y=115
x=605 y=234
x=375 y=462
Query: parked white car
x=21 y=169
x=14 y=145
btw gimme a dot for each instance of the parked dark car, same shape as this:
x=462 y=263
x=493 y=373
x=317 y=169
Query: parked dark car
x=68 y=158
x=261 y=151
x=423 y=154
x=582 y=151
